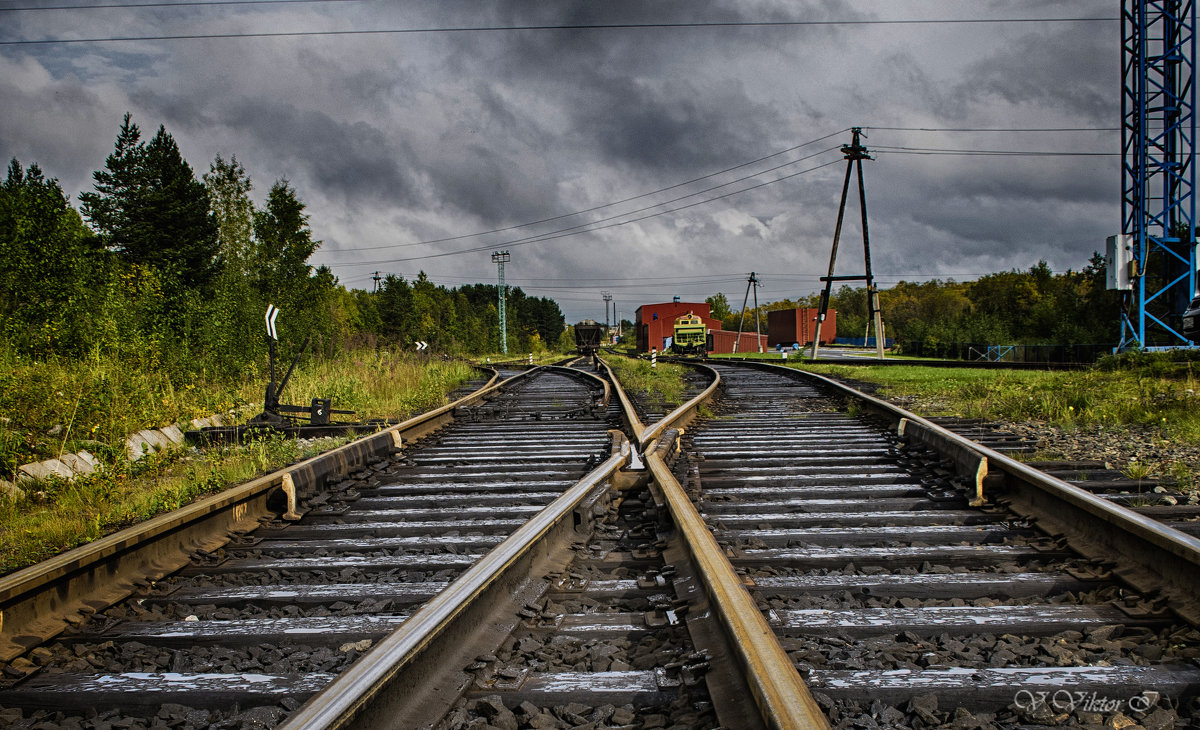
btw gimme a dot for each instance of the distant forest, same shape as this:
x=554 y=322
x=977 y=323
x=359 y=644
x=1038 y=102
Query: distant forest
x=162 y=269
x=159 y=268
x=1034 y=307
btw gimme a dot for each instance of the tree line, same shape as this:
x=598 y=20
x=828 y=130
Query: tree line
x=162 y=269
x=936 y=318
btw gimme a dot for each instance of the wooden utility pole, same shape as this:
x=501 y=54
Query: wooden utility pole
x=855 y=153
x=751 y=282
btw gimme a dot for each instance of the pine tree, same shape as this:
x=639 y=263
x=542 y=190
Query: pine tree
x=149 y=207
x=283 y=244
x=117 y=187
x=47 y=261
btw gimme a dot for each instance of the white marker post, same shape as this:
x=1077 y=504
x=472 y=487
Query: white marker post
x=653 y=357
x=272 y=314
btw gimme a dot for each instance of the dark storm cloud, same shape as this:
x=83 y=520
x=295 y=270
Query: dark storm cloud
x=486 y=185
x=349 y=161
x=399 y=139
x=1066 y=71
x=676 y=130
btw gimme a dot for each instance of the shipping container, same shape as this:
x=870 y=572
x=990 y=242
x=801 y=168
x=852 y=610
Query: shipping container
x=723 y=341
x=791 y=326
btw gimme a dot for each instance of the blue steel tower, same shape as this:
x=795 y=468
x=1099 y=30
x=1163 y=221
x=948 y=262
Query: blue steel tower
x=1158 y=206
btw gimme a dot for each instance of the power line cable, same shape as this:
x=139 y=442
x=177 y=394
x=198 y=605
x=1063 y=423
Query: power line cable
x=996 y=129
x=184 y=4
x=572 y=232
x=583 y=227
x=614 y=203
x=586 y=227
x=1003 y=153
x=567 y=26
x=592 y=227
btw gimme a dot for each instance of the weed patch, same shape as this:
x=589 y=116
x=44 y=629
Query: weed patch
x=1155 y=396
x=663 y=385
x=57 y=515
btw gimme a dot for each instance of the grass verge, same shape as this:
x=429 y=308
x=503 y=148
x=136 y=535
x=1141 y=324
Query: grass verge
x=1159 y=395
x=663 y=385
x=57 y=515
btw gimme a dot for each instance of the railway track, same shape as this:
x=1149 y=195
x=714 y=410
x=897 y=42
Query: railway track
x=1155 y=497
x=518 y=564
x=245 y=632
x=901 y=604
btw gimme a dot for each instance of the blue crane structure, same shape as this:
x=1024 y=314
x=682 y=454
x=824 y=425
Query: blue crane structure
x=1158 y=208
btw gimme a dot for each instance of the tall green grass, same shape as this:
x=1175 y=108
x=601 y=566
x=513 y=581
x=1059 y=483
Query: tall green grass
x=98 y=403
x=663 y=384
x=56 y=515
x=1157 y=393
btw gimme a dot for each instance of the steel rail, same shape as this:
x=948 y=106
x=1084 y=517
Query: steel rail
x=377 y=690
x=782 y=698
x=38 y=602
x=631 y=417
x=682 y=415
x=575 y=372
x=1150 y=555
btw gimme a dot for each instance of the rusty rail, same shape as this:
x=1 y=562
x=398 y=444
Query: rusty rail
x=38 y=602
x=780 y=695
x=387 y=687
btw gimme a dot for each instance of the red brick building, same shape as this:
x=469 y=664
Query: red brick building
x=655 y=323
x=655 y=326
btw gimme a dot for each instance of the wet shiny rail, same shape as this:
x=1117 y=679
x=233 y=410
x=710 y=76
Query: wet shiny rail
x=386 y=531
x=874 y=569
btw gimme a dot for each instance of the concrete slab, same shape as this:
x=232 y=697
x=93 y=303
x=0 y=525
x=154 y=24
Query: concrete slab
x=173 y=434
x=136 y=447
x=155 y=439
x=78 y=464
x=199 y=423
x=87 y=456
x=47 y=469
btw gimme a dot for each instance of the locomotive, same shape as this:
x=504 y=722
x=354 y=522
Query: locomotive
x=691 y=336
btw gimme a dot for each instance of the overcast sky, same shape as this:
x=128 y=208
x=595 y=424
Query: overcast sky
x=411 y=147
